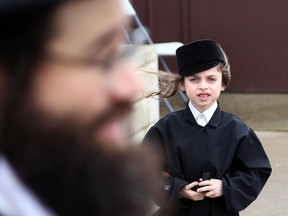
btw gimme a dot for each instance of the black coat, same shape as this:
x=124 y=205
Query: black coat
x=226 y=148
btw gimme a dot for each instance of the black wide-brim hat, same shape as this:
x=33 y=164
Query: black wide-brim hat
x=198 y=56
x=16 y=6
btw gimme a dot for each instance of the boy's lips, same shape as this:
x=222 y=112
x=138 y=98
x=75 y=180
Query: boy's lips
x=203 y=95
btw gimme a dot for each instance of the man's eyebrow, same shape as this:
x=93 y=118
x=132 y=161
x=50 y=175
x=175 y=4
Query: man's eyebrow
x=104 y=40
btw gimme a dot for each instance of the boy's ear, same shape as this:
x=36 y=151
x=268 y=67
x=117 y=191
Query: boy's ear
x=182 y=85
x=223 y=87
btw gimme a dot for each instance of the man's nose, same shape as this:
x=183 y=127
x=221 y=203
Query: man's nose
x=128 y=83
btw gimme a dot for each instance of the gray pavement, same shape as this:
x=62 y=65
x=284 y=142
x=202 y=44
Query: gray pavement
x=273 y=199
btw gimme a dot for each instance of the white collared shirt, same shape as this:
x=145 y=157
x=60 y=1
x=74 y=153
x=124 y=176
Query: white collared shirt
x=203 y=118
x=15 y=198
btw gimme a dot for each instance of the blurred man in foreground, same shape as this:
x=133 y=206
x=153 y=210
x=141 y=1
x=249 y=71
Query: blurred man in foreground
x=65 y=94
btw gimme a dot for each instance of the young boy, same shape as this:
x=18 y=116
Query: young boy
x=213 y=163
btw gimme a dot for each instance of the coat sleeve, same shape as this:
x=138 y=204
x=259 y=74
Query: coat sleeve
x=251 y=169
x=170 y=185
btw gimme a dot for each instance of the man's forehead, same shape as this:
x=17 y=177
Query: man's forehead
x=84 y=22
x=88 y=13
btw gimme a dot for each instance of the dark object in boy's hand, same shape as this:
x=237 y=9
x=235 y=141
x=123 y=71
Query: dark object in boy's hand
x=206 y=176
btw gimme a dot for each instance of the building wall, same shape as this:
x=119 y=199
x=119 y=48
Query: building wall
x=146 y=110
x=254 y=35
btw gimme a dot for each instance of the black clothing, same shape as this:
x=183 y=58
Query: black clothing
x=226 y=148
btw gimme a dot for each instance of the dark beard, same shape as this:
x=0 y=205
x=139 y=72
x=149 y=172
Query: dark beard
x=73 y=174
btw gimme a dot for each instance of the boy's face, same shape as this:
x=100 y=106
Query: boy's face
x=81 y=80
x=203 y=88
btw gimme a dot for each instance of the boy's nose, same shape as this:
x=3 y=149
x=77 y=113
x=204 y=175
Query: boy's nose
x=203 y=85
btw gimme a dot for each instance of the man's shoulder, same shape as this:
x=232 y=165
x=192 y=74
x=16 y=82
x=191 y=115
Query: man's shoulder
x=13 y=193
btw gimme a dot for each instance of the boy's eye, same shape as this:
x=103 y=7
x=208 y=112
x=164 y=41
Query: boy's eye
x=193 y=79
x=212 y=79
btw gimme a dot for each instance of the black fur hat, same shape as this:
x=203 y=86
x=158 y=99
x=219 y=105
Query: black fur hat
x=198 y=56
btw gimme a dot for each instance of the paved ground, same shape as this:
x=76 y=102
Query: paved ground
x=260 y=111
x=267 y=114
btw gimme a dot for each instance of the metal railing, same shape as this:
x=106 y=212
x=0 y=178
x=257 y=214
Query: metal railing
x=148 y=39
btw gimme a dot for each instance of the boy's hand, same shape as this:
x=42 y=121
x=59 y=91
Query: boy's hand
x=187 y=192
x=211 y=188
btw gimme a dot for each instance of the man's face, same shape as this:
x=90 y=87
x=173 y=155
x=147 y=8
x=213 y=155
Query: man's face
x=77 y=91
x=81 y=80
